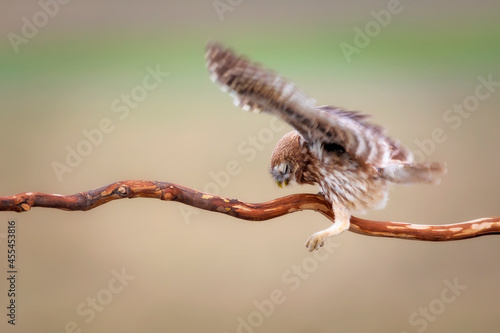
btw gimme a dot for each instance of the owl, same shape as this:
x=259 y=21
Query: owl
x=353 y=161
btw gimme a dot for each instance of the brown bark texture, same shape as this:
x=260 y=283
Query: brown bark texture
x=248 y=211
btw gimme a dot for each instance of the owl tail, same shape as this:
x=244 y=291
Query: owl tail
x=407 y=173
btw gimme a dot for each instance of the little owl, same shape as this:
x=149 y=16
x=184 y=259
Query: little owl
x=352 y=160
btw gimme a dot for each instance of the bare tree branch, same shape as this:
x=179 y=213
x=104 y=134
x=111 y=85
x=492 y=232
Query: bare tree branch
x=253 y=212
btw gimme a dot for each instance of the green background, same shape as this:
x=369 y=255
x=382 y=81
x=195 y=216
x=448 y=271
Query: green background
x=197 y=271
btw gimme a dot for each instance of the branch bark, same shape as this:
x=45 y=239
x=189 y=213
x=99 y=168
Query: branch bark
x=248 y=211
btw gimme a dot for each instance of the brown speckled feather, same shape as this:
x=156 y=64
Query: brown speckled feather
x=257 y=89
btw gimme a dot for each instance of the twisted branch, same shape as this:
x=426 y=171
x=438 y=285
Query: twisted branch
x=253 y=212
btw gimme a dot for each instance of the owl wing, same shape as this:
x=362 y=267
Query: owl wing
x=257 y=89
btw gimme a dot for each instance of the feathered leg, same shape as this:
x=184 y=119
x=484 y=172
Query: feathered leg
x=342 y=222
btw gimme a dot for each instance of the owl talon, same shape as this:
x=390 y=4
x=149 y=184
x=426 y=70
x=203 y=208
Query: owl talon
x=316 y=241
x=342 y=217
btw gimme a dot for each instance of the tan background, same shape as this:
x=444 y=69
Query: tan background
x=203 y=272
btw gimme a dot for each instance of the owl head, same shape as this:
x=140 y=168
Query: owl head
x=287 y=160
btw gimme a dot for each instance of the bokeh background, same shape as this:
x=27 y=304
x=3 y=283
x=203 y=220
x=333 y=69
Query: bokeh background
x=195 y=271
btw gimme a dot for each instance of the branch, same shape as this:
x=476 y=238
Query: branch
x=253 y=212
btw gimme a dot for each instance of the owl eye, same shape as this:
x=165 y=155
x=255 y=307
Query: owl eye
x=287 y=169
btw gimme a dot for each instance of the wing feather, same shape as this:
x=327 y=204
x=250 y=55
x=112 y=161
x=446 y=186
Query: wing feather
x=256 y=89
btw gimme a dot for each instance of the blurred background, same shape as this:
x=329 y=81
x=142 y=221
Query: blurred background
x=94 y=92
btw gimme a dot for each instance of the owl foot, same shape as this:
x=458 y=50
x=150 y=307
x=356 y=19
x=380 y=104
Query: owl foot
x=317 y=240
x=341 y=224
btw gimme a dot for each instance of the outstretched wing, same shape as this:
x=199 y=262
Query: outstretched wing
x=256 y=89
x=395 y=150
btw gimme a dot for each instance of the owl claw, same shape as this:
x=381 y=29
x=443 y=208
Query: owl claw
x=316 y=241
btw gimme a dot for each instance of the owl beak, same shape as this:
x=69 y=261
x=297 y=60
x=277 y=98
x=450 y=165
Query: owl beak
x=285 y=183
